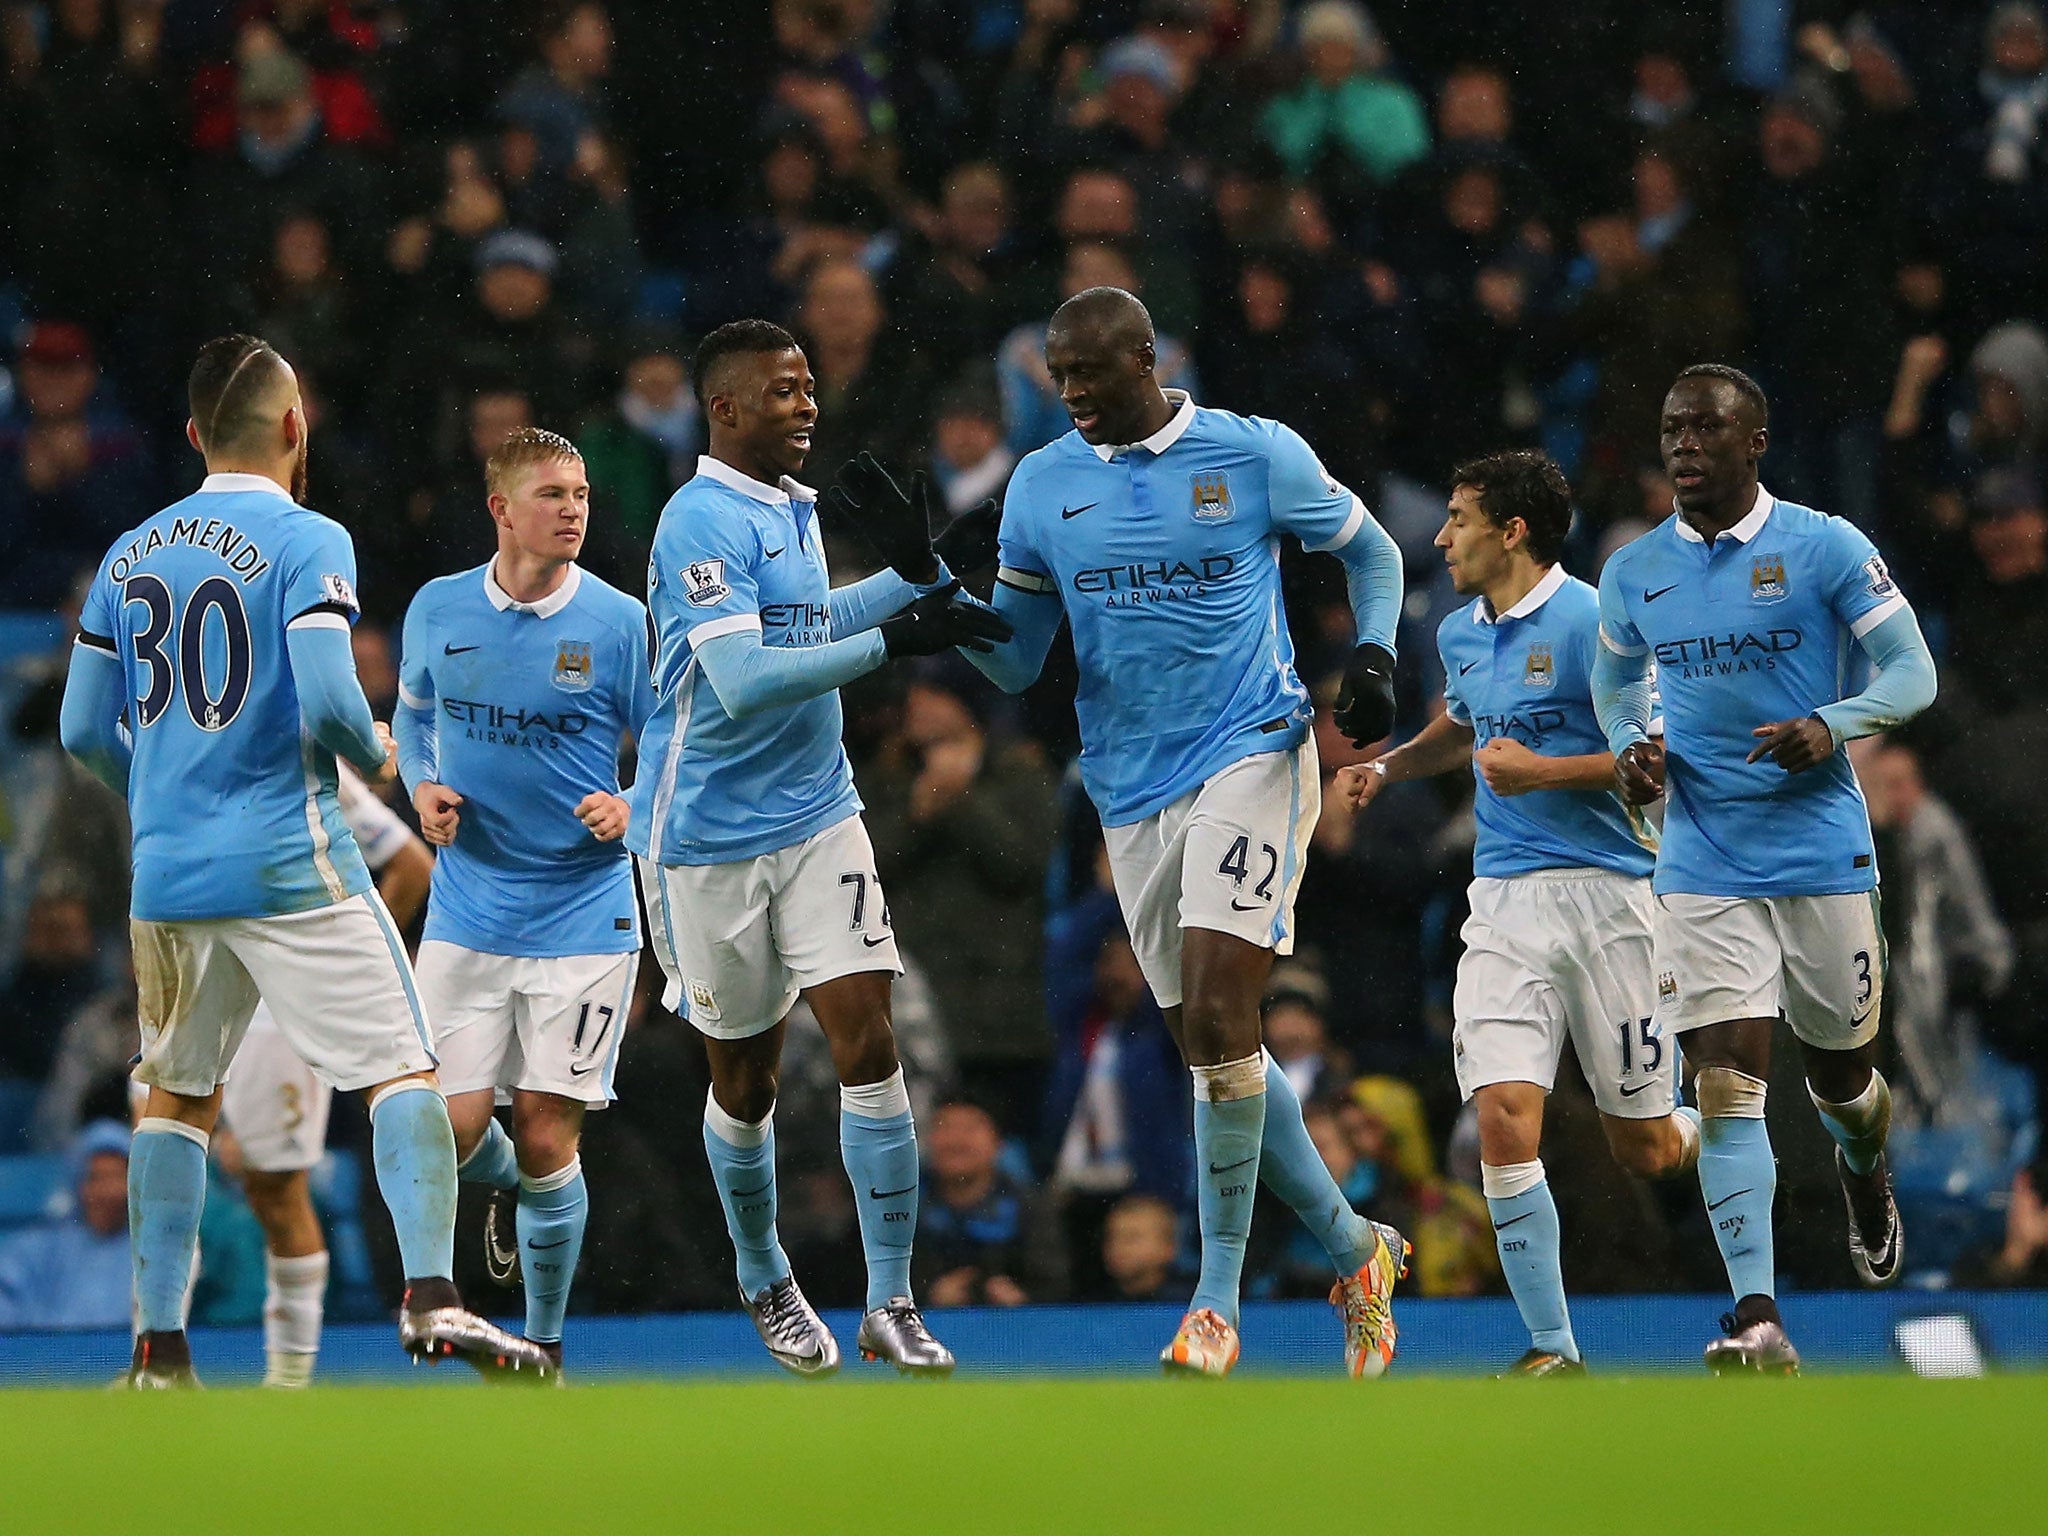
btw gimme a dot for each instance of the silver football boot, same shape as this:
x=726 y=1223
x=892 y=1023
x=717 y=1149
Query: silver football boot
x=434 y=1334
x=791 y=1328
x=1758 y=1345
x=1877 y=1263
x=895 y=1332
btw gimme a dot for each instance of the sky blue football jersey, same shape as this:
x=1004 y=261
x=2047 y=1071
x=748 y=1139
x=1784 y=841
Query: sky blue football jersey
x=732 y=554
x=1528 y=675
x=233 y=805
x=1758 y=626
x=530 y=705
x=1166 y=557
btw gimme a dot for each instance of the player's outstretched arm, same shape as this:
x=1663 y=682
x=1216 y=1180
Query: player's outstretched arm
x=862 y=605
x=89 y=722
x=1443 y=745
x=331 y=702
x=1905 y=683
x=749 y=677
x=1034 y=618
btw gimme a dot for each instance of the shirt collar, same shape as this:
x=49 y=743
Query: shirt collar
x=1533 y=599
x=546 y=608
x=1183 y=417
x=1742 y=532
x=774 y=495
x=235 y=481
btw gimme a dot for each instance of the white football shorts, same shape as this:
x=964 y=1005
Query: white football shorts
x=1227 y=856
x=506 y=1021
x=1817 y=961
x=738 y=942
x=336 y=978
x=1557 y=954
x=273 y=1103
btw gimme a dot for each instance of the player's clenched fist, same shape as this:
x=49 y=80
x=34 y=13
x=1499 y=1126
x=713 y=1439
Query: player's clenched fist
x=1639 y=773
x=1360 y=783
x=436 y=805
x=389 y=743
x=1510 y=767
x=605 y=815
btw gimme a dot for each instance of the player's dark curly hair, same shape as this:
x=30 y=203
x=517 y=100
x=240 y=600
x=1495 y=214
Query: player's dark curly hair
x=1522 y=483
x=734 y=339
x=1745 y=386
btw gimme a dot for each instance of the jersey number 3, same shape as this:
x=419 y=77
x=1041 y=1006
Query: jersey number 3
x=215 y=604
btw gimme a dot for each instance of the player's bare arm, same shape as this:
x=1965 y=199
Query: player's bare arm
x=1511 y=768
x=1442 y=746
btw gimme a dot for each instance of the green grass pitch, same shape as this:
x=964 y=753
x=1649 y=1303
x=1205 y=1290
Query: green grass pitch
x=1395 y=1458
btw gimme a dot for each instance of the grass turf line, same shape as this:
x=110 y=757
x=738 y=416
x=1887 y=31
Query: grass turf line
x=918 y=1459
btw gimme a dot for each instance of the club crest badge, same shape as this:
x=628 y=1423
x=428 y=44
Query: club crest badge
x=1540 y=670
x=704 y=583
x=1767 y=579
x=573 y=672
x=1210 y=499
x=1667 y=987
x=703 y=1001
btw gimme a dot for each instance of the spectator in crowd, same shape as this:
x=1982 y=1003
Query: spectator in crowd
x=1296 y=1036
x=871 y=395
x=1349 y=122
x=637 y=450
x=74 y=473
x=559 y=96
x=1445 y=1220
x=959 y=296
x=969 y=459
x=979 y=1238
x=72 y=1271
x=1298 y=1266
x=961 y=817
x=1141 y=1252
x=57 y=973
x=2021 y=1259
x=2000 y=616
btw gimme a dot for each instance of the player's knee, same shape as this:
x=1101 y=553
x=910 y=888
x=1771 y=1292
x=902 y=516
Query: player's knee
x=1725 y=1093
x=1216 y=1030
x=545 y=1136
x=1645 y=1153
x=748 y=1096
x=274 y=1197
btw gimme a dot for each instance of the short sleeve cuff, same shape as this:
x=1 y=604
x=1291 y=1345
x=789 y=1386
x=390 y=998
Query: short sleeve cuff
x=412 y=700
x=1863 y=625
x=1618 y=648
x=101 y=643
x=725 y=624
x=320 y=618
x=1353 y=521
x=1457 y=711
x=1026 y=581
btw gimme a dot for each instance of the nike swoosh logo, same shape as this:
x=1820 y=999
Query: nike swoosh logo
x=742 y=1194
x=1238 y=906
x=1716 y=1205
x=1502 y=1226
x=1067 y=512
x=871 y=943
x=537 y=1247
x=457 y=650
x=888 y=1194
x=1467 y=668
x=772 y=553
x=1629 y=1093
x=1238 y=1164
x=1651 y=597
x=576 y=1071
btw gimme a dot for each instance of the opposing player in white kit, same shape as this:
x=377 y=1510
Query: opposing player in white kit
x=757 y=873
x=213 y=682
x=1154 y=529
x=520 y=683
x=1558 y=945
x=277 y=1107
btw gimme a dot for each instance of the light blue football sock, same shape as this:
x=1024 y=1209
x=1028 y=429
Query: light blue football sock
x=1860 y=1126
x=493 y=1162
x=879 y=1145
x=166 y=1193
x=1525 y=1231
x=552 y=1211
x=1739 y=1179
x=1294 y=1170
x=742 y=1157
x=413 y=1147
x=1227 y=1135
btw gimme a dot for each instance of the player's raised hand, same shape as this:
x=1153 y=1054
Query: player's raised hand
x=1794 y=745
x=389 y=771
x=1511 y=768
x=863 y=501
x=605 y=814
x=1365 y=705
x=1639 y=773
x=1360 y=784
x=938 y=622
x=968 y=543
x=436 y=805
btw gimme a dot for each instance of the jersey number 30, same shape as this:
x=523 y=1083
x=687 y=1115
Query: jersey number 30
x=216 y=595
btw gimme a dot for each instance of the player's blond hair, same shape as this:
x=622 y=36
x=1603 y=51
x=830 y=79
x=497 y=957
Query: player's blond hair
x=522 y=448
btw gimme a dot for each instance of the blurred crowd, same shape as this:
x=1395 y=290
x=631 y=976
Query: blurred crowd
x=1413 y=234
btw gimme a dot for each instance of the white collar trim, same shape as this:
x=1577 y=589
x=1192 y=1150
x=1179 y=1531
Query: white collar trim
x=234 y=481
x=774 y=495
x=1183 y=417
x=1742 y=532
x=546 y=608
x=1533 y=599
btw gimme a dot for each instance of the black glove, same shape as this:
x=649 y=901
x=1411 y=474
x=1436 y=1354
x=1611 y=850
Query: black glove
x=936 y=623
x=969 y=541
x=1365 y=704
x=862 y=500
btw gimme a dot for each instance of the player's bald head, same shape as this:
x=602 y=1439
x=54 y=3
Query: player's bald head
x=1103 y=317
x=239 y=391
